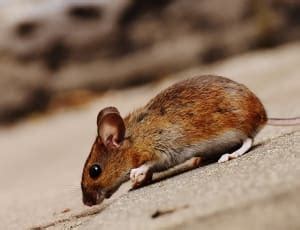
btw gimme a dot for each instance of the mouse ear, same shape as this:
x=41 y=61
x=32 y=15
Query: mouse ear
x=111 y=127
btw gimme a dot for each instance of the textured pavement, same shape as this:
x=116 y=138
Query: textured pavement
x=232 y=195
x=42 y=159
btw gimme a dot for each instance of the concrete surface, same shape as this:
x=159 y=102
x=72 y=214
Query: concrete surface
x=42 y=159
x=266 y=173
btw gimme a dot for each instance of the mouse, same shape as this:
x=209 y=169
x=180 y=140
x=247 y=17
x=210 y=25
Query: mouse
x=193 y=119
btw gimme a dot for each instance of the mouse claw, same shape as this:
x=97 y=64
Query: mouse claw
x=224 y=158
x=140 y=176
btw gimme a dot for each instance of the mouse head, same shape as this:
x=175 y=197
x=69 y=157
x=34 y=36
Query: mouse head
x=108 y=164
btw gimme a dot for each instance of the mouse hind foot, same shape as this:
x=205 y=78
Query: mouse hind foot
x=247 y=144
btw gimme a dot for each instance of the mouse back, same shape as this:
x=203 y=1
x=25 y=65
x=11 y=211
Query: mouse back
x=198 y=108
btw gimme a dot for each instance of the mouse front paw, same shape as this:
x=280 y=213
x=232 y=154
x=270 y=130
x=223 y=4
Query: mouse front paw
x=140 y=176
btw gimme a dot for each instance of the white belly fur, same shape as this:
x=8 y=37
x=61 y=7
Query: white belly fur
x=206 y=148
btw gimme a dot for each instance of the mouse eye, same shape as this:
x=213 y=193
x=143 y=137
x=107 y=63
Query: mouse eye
x=95 y=171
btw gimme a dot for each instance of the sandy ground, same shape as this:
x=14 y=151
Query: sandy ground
x=42 y=159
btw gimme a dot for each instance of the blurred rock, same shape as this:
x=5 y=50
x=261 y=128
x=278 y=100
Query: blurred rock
x=48 y=47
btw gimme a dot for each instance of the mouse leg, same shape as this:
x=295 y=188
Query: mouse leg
x=243 y=149
x=188 y=165
x=192 y=163
x=143 y=174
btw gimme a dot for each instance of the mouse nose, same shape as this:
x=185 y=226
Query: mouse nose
x=89 y=202
x=91 y=198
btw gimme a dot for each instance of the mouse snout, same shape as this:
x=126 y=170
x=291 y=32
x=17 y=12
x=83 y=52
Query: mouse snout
x=91 y=198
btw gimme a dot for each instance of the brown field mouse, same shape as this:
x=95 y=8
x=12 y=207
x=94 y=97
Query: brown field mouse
x=199 y=117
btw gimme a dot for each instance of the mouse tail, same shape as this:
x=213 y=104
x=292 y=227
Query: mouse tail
x=283 y=121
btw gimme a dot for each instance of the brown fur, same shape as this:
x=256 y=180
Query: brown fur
x=183 y=115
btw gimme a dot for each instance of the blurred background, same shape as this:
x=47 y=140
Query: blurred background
x=61 y=61
x=63 y=52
